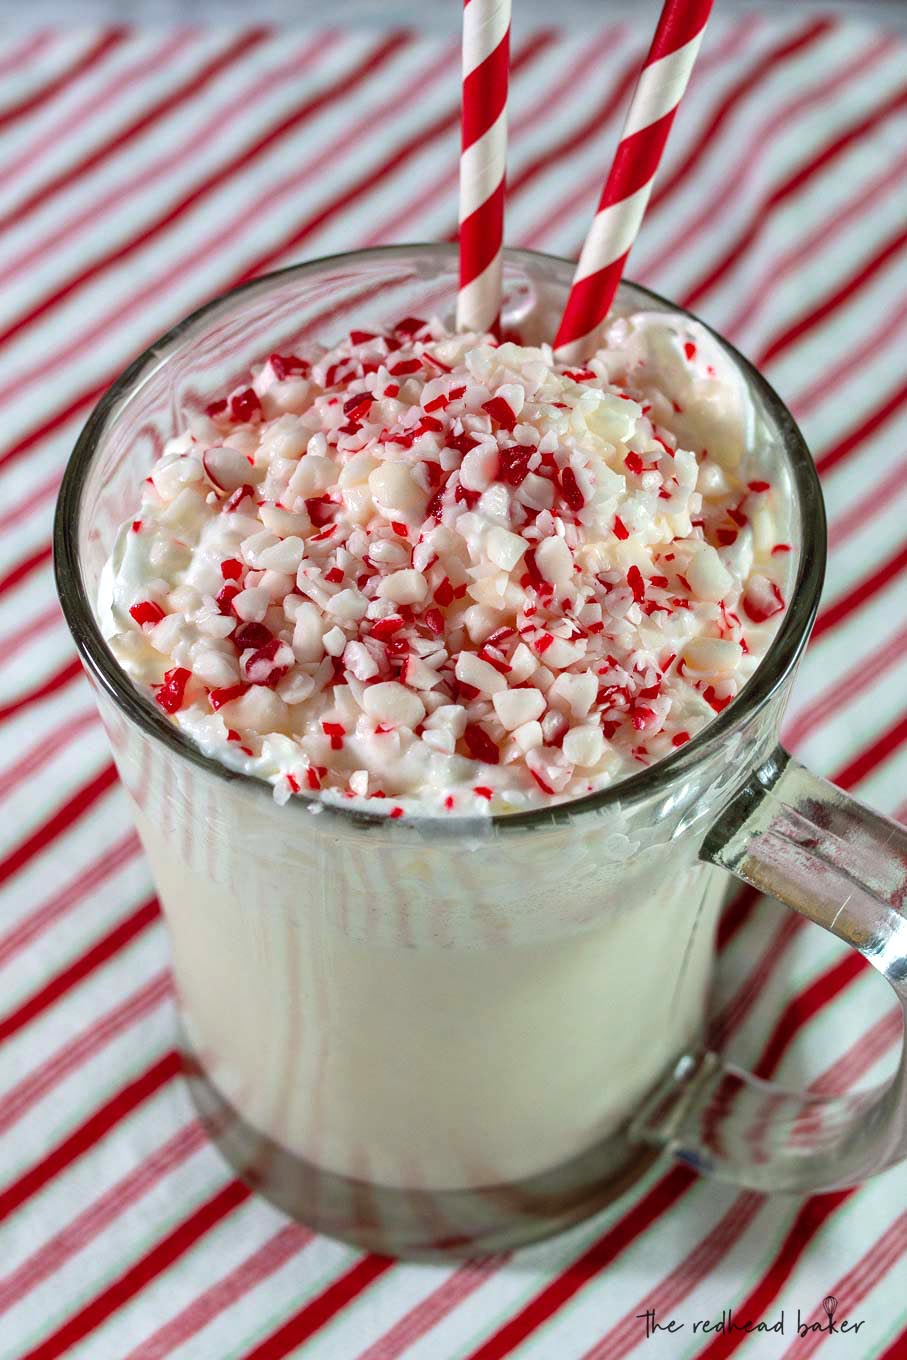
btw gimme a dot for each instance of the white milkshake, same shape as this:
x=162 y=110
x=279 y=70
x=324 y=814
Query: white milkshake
x=460 y=1061
x=431 y=578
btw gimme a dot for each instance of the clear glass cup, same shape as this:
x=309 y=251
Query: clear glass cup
x=461 y=1035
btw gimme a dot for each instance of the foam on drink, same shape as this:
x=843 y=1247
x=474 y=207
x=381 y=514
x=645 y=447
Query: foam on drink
x=427 y=572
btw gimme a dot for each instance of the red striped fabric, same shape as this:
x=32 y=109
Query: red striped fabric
x=885 y=109
x=160 y=108
x=163 y=1255
x=102 y=1214
x=43 y=1078
x=140 y=184
x=86 y=1136
x=99 y=953
x=36 y=99
x=876 y=423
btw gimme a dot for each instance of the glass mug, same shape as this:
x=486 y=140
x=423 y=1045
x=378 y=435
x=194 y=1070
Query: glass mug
x=460 y=1035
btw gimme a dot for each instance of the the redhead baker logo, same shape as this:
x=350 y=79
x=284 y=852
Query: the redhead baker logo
x=820 y=1320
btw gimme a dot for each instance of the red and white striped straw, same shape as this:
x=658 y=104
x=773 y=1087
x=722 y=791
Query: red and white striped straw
x=483 y=155
x=656 y=98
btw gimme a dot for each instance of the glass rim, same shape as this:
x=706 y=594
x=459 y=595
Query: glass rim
x=779 y=660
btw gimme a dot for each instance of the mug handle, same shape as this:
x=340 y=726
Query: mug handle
x=794 y=836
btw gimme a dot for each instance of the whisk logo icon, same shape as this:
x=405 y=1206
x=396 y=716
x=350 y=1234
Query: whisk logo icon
x=830 y=1307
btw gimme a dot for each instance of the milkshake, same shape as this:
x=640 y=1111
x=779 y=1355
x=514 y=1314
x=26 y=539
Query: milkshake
x=422 y=585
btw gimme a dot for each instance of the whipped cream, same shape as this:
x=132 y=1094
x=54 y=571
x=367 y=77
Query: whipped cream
x=434 y=573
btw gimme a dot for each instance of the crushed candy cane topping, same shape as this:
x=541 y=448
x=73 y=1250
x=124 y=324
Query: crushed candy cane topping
x=438 y=573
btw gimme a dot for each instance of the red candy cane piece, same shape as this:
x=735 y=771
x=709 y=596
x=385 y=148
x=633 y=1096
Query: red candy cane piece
x=480 y=745
x=218 y=697
x=146 y=611
x=172 y=692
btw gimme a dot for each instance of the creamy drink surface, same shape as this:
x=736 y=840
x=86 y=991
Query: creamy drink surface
x=428 y=575
x=450 y=574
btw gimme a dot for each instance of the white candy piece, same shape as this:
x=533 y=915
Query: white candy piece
x=393 y=486
x=388 y=553
x=296 y=687
x=504 y=548
x=357 y=470
x=287 y=437
x=213 y=668
x=712 y=656
x=347 y=605
x=258 y=710
x=283 y=522
x=555 y=561
x=707 y=574
x=536 y=492
x=251 y=605
x=334 y=642
x=529 y=735
x=479 y=467
x=522 y=664
x=561 y=654
x=515 y=707
x=275 y=584
x=449 y=716
x=284 y=556
x=184 y=511
x=575 y=692
x=227 y=469
x=584 y=746
x=419 y=675
x=358 y=504
x=358 y=659
x=256 y=544
x=313 y=476
x=472 y=670
x=389 y=702
x=171 y=477
x=308 y=633
x=403 y=587
x=480 y=622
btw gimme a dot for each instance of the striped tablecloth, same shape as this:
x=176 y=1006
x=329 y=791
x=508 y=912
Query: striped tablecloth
x=142 y=172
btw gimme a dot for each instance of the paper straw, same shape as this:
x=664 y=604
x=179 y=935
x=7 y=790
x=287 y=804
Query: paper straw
x=486 y=59
x=658 y=92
